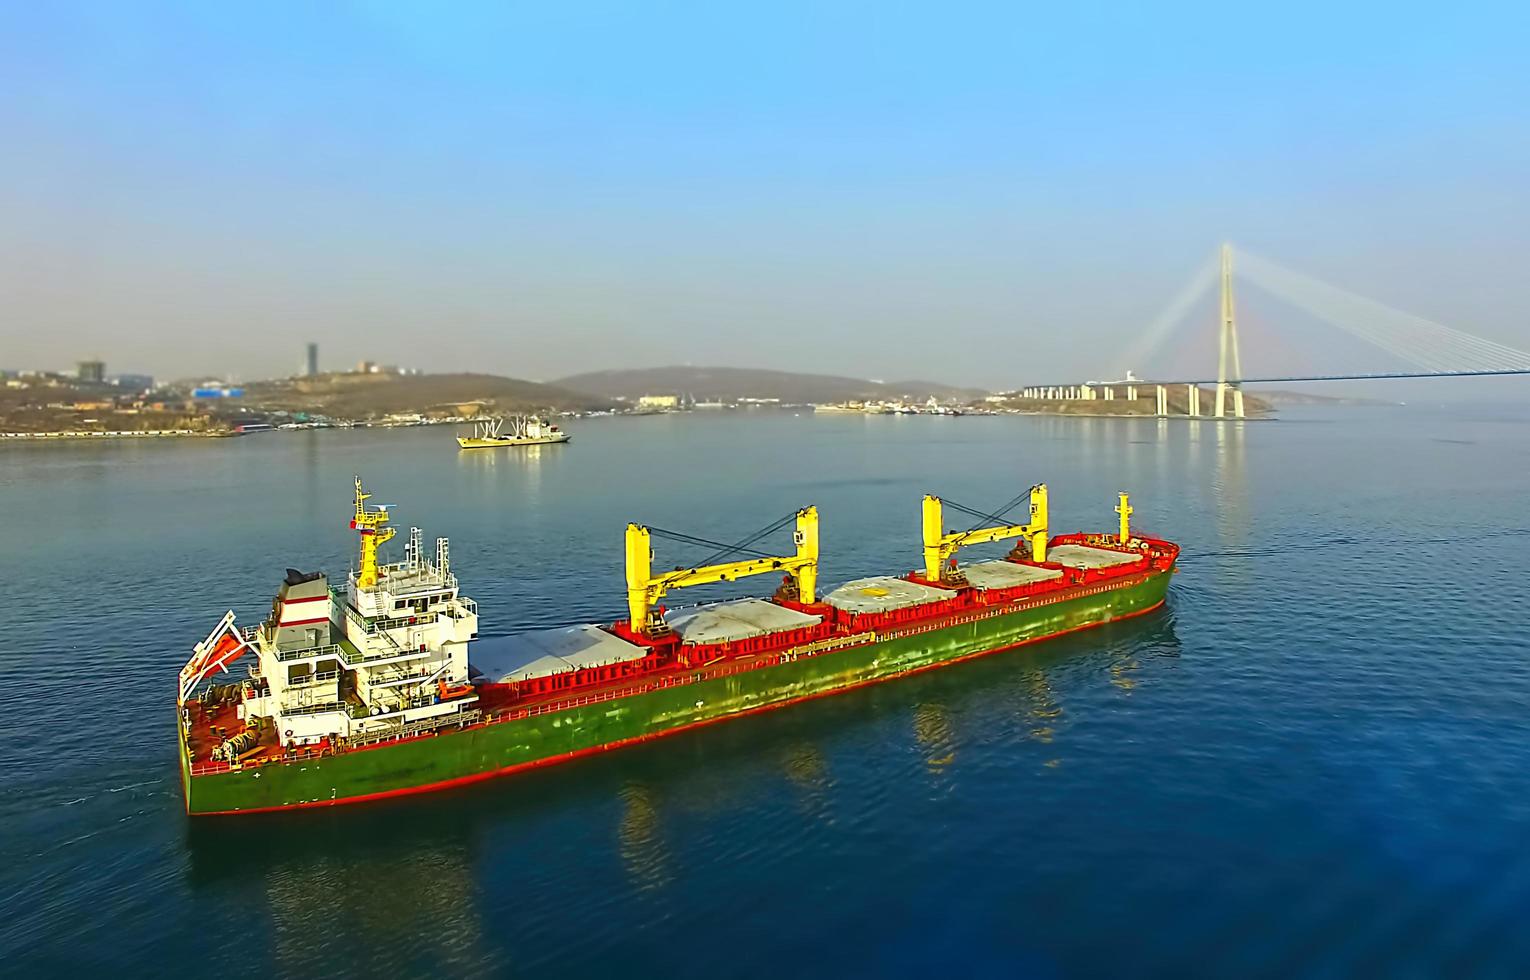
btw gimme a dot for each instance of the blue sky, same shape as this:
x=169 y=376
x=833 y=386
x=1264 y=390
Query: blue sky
x=971 y=192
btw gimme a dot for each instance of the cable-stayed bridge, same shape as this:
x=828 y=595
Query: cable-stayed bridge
x=1426 y=349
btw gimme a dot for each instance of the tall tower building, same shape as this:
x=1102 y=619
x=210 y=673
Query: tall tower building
x=313 y=360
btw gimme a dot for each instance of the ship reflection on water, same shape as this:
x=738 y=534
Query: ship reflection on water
x=1044 y=709
x=640 y=838
x=807 y=771
x=932 y=728
x=509 y=457
x=331 y=887
x=429 y=889
x=448 y=864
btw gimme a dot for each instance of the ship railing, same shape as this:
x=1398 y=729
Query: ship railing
x=315 y=709
x=328 y=650
x=414 y=728
x=362 y=659
x=323 y=676
x=425 y=727
x=373 y=626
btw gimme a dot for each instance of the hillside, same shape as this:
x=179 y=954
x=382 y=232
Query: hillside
x=362 y=396
x=1278 y=396
x=730 y=384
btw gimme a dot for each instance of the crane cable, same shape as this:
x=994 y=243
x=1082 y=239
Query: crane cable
x=741 y=547
x=997 y=517
x=762 y=532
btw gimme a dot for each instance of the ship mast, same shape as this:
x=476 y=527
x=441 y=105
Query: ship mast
x=369 y=523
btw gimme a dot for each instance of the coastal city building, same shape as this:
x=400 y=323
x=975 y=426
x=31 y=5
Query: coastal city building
x=311 y=368
x=92 y=372
x=659 y=401
x=214 y=389
x=133 y=382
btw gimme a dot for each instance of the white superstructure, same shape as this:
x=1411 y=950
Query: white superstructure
x=385 y=656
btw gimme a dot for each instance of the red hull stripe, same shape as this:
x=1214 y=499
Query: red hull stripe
x=311 y=598
x=554 y=759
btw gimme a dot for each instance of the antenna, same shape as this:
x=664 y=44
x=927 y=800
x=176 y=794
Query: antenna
x=412 y=548
x=443 y=558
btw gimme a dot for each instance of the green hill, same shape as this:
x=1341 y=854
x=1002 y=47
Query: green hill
x=731 y=384
x=363 y=396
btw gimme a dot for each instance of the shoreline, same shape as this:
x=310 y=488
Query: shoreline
x=77 y=434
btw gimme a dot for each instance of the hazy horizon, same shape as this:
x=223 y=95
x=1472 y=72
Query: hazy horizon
x=956 y=196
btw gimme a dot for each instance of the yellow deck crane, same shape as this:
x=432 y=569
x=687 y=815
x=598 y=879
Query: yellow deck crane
x=645 y=589
x=940 y=547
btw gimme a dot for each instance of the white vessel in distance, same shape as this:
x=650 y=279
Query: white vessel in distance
x=517 y=430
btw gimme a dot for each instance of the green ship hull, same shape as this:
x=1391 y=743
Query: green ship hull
x=528 y=739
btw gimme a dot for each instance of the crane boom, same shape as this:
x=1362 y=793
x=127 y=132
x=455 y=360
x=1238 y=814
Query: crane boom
x=940 y=547
x=645 y=589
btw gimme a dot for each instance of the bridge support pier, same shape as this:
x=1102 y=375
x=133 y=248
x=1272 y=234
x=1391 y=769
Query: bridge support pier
x=1223 y=388
x=1192 y=400
x=1163 y=401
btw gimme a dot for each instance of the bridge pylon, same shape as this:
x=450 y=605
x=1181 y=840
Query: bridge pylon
x=1228 y=380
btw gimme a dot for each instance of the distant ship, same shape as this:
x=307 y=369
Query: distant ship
x=368 y=689
x=524 y=430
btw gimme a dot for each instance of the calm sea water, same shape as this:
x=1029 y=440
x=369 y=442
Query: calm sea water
x=1316 y=760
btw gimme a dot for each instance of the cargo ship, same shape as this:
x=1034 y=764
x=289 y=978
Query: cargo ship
x=524 y=430
x=381 y=686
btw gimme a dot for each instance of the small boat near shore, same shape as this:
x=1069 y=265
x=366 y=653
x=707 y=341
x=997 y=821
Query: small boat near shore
x=518 y=430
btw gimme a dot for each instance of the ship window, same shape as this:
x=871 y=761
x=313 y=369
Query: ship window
x=398 y=604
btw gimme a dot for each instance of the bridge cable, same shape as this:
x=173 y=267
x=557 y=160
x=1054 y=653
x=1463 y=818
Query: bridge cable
x=1412 y=338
